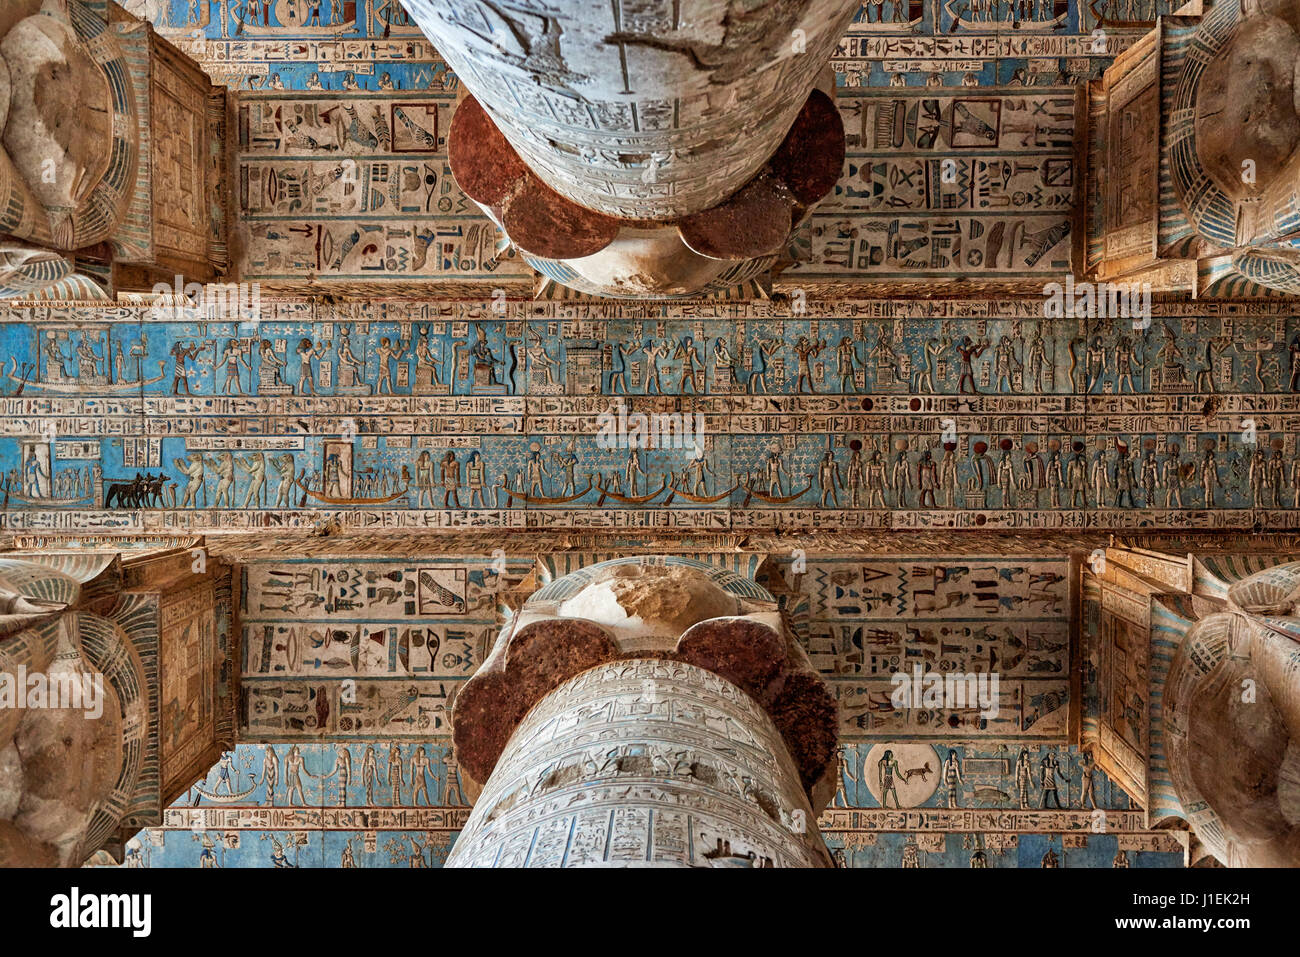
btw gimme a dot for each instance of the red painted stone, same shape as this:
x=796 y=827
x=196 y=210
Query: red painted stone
x=806 y=715
x=811 y=158
x=485 y=165
x=540 y=657
x=754 y=222
x=543 y=223
x=747 y=653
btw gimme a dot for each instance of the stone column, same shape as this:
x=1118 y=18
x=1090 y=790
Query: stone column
x=643 y=763
x=594 y=94
x=649 y=712
x=596 y=125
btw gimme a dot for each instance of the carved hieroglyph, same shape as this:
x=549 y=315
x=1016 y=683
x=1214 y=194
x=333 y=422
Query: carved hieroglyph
x=642 y=109
x=643 y=763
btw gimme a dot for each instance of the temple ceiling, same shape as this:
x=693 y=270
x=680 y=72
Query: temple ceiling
x=390 y=396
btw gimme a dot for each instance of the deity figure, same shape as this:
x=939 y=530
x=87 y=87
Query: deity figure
x=1228 y=752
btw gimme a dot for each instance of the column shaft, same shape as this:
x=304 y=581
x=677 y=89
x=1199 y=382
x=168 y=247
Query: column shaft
x=643 y=762
x=639 y=109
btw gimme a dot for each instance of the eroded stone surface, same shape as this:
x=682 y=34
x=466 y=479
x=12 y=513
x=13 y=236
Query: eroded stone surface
x=71 y=763
x=639 y=600
x=1232 y=722
x=60 y=125
x=1248 y=108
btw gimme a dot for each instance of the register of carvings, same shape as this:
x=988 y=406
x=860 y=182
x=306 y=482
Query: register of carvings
x=959 y=414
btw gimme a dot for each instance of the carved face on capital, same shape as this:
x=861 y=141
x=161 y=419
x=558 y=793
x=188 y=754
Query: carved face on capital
x=63 y=754
x=59 y=113
x=1232 y=727
x=1248 y=104
x=1232 y=752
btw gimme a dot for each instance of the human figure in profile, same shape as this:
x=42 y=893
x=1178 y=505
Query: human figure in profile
x=1047 y=770
x=889 y=772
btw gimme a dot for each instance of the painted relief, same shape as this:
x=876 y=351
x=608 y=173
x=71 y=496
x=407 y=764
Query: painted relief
x=341 y=806
x=243 y=42
x=358 y=189
x=377 y=804
x=985 y=850
x=955 y=414
x=478 y=408
x=873 y=618
x=363 y=650
x=397 y=628
x=944 y=184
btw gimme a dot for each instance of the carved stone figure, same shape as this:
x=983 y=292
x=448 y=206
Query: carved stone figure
x=1232 y=722
x=105 y=152
x=65 y=772
x=1233 y=159
x=69 y=135
x=110 y=704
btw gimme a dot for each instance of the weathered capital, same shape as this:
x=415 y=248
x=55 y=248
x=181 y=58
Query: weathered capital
x=641 y=684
